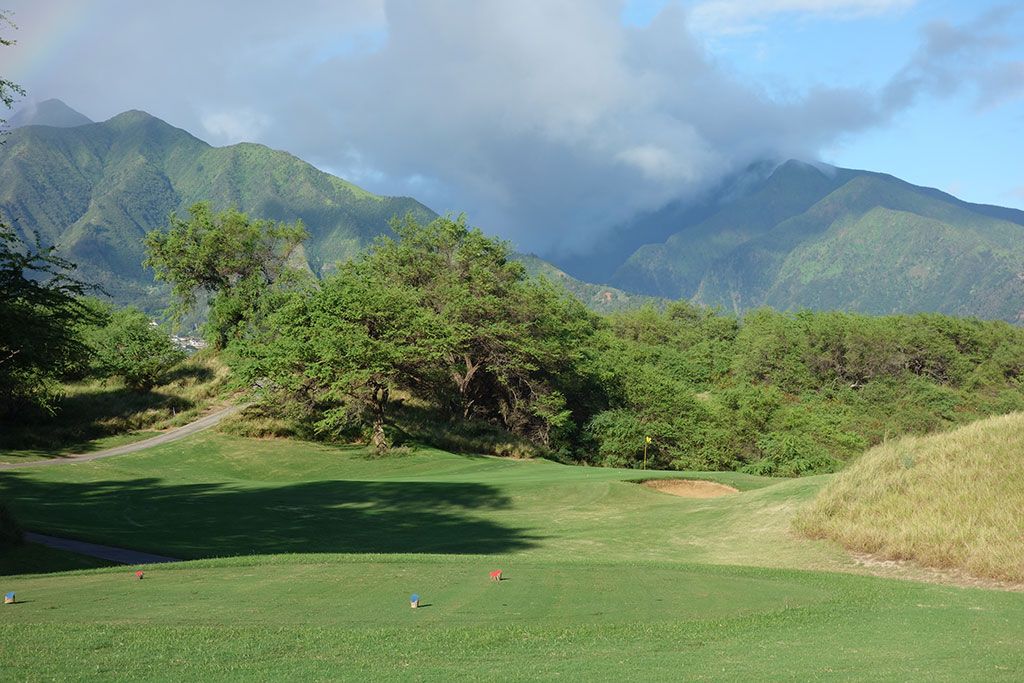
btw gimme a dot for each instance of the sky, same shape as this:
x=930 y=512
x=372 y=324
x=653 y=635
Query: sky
x=550 y=121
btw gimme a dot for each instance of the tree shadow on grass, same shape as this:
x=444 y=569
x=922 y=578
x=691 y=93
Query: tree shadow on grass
x=216 y=520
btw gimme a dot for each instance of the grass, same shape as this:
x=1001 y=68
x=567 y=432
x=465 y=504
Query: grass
x=96 y=415
x=348 y=617
x=606 y=579
x=212 y=495
x=950 y=500
x=29 y=558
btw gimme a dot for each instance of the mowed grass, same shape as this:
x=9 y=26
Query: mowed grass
x=605 y=579
x=301 y=617
x=952 y=500
x=213 y=495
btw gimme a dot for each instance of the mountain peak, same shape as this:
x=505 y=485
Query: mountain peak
x=131 y=117
x=798 y=166
x=52 y=112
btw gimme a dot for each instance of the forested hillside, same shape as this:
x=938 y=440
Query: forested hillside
x=95 y=190
x=807 y=236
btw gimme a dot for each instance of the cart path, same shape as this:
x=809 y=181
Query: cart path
x=167 y=437
x=104 y=552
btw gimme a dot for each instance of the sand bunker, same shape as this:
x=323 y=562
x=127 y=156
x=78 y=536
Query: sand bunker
x=690 y=488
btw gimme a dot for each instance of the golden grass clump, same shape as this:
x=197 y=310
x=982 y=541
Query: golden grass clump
x=952 y=500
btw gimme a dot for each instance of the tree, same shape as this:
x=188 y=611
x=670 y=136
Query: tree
x=8 y=89
x=130 y=346
x=341 y=351
x=441 y=313
x=42 y=313
x=513 y=341
x=230 y=257
x=40 y=309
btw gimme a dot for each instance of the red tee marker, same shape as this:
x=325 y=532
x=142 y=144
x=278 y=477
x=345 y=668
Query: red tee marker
x=138 y=575
x=496 y=575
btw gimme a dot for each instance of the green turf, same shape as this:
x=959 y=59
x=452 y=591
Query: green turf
x=212 y=495
x=30 y=558
x=344 y=617
x=91 y=446
x=606 y=580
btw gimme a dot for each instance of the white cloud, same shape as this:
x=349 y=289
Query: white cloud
x=237 y=125
x=545 y=121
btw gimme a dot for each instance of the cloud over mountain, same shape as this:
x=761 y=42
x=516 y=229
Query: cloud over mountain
x=546 y=122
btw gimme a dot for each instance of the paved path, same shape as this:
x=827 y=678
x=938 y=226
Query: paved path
x=172 y=435
x=104 y=552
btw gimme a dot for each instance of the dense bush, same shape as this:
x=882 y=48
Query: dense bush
x=132 y=348
x=790 y=394
x=442 y=316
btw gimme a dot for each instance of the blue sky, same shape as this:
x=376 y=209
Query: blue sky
x=954 y=143
x=549 y=122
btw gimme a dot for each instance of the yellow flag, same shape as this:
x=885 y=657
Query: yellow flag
x=648 y=439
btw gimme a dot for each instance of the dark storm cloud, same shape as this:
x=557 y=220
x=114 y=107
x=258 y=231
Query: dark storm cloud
x=546 y=122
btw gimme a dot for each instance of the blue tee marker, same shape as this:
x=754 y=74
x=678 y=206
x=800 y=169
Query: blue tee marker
x=414 y=601
x=9 y=598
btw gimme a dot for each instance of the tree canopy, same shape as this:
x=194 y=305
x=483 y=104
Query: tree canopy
x=439 y=312
x=42 y=312
x=227 y=256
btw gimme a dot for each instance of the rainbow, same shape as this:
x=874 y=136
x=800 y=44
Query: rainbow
x=46 y=36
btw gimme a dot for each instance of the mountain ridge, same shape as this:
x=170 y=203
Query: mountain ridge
x=96 y=189
x=748 y=251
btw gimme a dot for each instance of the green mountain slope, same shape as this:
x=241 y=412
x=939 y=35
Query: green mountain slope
x=840 y=238
x=48 y=113
x=96 y=189
x=600 y=298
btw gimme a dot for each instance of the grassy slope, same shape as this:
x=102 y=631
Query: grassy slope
x=948 y=500
x=98 y=415
x=606 y=580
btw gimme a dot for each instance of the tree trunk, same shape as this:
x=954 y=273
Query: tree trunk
x=462 y=383
x=379 y=439
x=380 y=400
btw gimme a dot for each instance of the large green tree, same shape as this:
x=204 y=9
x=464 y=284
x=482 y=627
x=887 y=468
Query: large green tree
x=336 y=354
x=227 y=256
x=42 y=313
x=439 y=312
x=516 y=344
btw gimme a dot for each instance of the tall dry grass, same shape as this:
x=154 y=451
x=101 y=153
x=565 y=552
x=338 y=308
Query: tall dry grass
x=97 y=409
x=952 y=500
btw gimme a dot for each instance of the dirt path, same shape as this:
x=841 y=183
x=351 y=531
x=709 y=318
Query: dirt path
x=172 y=435
x=104 y=552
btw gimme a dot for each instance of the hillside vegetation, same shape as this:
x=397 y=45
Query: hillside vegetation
x=443 y=319
x=950 y=500
x=789 y=394
x=803 y=236
x=95 y=190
